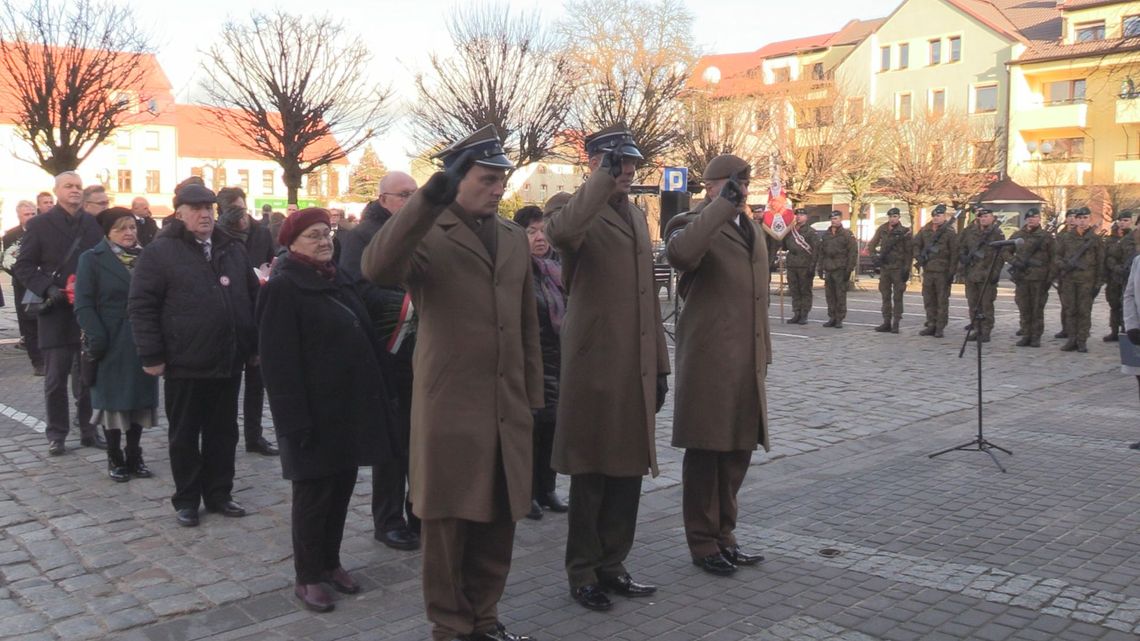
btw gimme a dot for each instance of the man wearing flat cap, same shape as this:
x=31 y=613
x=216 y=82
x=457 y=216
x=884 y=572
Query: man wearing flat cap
x=720 y=408
x=191 y=310
x=936 y=253
x=802 y=245
x=478 y=374
x=614 y=367
x=892 y=253
x=1080 y=270
x=980 y=271
x=1119 y=249
x=1031 y=270
x=838 y=256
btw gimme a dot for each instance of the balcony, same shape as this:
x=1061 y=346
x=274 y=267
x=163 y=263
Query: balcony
x=1127 y=169
x=1074 y=170
x=1128 y=109
x=1061 y=114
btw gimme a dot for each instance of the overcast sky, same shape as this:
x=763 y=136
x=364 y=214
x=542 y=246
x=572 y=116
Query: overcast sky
x=403 y=32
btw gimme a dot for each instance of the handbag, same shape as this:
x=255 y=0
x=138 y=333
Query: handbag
x=36 y=304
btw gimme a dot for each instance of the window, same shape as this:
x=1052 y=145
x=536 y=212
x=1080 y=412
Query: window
x=985 y=99
x=1130 y=28
x=955 y=49
x=1065 y=91
x=884 y=59
x=152 y=106
x=822 y=116
x=938 y=101
x=151 y=140
x=267 y=182
x=124 y=182
x=985 y=155
x=313 y=185
x=196 y=171
x=1089 y=31
x=333 y=187
x=855 y=111
x=219 y=178
x=903 y=107
x=817 y=71
x=783 y=74
x=936 y=51
x=153 y=183
x=1067 y=148
x=243 y=180
x=123 y=139
x=904 y=56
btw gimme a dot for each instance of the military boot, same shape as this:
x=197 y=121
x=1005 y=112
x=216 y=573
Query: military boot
x=1061 y=334
x=927 y=331
x=1035 y=341
x=803 y=319
x=938 y=332
x=116 y=464
x=794 y=319
x=1024 y=342
x=1020 y=332
x=830 y=323
x=1082 y=348
x=895 y=326
x=1112 y=337
x=1070 y=346
x=885 y=327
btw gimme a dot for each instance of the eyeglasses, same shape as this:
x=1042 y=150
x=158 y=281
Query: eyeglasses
x=317 y=236
x=100 y=203
x=399 y=194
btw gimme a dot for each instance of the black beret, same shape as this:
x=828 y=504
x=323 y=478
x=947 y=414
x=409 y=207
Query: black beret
x=835 y=214
x=1126 y=214
x=938 y=209
x=1032 y=212
x=727 y=166
x=108 y=217
x=894 y=211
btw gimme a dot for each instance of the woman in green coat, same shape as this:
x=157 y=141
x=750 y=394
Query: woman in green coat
x=125 y=396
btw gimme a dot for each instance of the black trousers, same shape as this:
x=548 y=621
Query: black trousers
x=391 y=509
x=29 y=326
x=602 y=520
x=544 y=476
x=710 y=482
x=320 y=507
x=59 y=364
x=202 y=413
x=253 y=400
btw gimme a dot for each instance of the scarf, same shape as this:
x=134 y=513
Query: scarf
x=327 y=270
x=550 y=290
x=126 y=255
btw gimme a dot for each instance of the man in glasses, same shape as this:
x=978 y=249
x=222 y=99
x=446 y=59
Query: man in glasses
x=392 y=518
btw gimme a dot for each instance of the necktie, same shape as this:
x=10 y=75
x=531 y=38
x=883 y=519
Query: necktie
x=206 y=249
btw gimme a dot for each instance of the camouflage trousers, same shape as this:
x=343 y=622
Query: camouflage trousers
x=835 y=287
x=800 y=282
x=987 y=304
x=936 y=298
x=1031 y=296
x=892 y=286
x=1077 y=300
x=1114 y=296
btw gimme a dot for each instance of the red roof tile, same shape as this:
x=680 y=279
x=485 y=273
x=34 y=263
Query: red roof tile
x=198 y=139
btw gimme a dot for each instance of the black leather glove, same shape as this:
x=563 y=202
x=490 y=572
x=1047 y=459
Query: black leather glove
x=443 y=186
x=1134 y=336
x=56 y=295
x=612 y=161
x=732 y=193
x=662 y=390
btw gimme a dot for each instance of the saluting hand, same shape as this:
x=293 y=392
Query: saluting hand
x=443 y=186
x=612 y=161
x=731 y=192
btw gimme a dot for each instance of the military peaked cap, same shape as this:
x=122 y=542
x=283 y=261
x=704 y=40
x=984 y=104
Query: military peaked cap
x=609 y=138
x=484 y=144
x=727 y=166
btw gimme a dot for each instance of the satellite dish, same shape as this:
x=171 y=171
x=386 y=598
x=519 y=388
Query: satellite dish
x=711 y=75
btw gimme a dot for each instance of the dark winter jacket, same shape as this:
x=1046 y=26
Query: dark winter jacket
x=551 y=347
x=321 y=365
x=102 y=285
x=147 y=229
x=194 y=315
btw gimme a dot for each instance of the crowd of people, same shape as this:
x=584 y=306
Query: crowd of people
x=469 y=359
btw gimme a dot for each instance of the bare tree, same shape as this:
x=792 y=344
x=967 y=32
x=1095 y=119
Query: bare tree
x=294 y=90
x=75 y=73
x=866 y=160
x=713 y=126
x=508 y=71
x=632 y=60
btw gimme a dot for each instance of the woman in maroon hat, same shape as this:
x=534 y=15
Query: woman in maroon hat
x=321 y=365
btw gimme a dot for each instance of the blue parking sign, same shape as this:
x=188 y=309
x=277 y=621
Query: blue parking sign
x=676 y=179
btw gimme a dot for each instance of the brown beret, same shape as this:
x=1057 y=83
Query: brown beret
x=727 y=166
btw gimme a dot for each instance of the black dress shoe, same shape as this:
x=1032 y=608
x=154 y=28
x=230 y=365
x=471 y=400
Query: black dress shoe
x=57 y=448
x=95 y=440
x=498 y=633
x=187 y=516
x=535 y=512
x=261 y=446
x=229 y=508
x=736 y=556
x=553 y=502
x=715 y=563
x=626 y=586
x=591 y=597
x=399 y=539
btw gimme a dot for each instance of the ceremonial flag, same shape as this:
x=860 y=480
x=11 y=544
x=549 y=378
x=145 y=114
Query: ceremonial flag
x=779 y=215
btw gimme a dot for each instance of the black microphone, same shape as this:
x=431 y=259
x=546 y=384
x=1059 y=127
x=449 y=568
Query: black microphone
x=1014 y=242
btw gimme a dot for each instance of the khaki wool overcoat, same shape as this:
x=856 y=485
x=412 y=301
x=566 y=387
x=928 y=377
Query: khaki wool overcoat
x=724 y=344
x=477 y=361
x=613 y=342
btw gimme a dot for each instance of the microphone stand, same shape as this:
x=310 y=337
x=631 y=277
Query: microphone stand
x=979 y=444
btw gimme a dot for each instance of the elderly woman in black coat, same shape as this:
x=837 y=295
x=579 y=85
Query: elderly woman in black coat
x=125 y=396
x=321 y=365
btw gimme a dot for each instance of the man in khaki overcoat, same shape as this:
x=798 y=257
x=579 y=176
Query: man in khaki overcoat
x=614 y=367
x=723 y=351
x=478 y=372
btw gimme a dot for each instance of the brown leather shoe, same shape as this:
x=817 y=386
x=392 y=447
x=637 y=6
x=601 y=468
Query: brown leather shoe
x=314 y=596
x=342 y=581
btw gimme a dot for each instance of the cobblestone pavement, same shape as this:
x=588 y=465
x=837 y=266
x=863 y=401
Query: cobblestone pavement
x=945 y=548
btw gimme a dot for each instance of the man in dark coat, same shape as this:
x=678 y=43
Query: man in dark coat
x=191 y=310
x=29 y=330
x=144 y=221
x=49 y=254
x=394 y=523
x=235 y=221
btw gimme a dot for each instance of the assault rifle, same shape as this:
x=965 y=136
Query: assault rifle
x=1072 y=264
x=968 y=260
x=1019 y=264
x=927 y=251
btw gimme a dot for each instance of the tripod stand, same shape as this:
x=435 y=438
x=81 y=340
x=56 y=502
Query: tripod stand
x=979 y=444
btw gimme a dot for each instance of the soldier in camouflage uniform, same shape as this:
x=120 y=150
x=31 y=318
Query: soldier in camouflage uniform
x=975 y=257
x=838 y=256
x=1031 y=269
x=1119 y=249
x=802 y=245
x=892 y=250
x=936 y=253
x=1080 y=269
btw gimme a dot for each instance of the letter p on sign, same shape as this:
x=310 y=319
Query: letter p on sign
x=676 y=179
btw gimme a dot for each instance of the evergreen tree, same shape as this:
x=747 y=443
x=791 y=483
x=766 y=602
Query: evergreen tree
x=364 y=179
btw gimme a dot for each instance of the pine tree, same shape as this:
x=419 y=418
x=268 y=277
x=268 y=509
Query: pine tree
x=364 y=179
